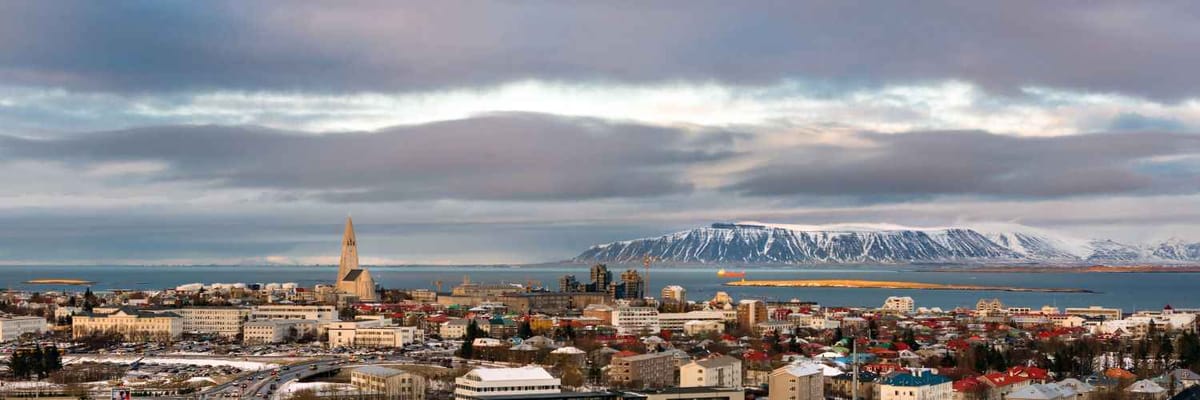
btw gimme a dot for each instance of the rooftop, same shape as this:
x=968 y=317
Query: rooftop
x=511 y=374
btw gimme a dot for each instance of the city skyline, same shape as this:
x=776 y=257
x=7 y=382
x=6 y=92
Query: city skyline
x=468 y=133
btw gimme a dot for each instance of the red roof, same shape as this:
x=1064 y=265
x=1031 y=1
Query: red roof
x=998 y=379
x=1029 y=372
x=968 y=385
x=625 y=353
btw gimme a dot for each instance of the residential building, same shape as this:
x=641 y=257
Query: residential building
x=423 y=296
x=391 y=383
x=13 y=327
x=485 y=383
x=750 y=313
x=454 y=328
x=351 y=334
x=801 y=381
x=902 y=304
x=919 y=385
x=987 y=307
x=635 y=320
x=130 y=324
x=675 y=296
x=651 y=370
x=721 y=371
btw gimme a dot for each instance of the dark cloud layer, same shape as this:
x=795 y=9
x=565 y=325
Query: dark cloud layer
x=978 y=163
x=509 y=156
x=1140 y=48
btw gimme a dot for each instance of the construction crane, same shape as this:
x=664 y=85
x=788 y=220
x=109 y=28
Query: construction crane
x=438 y=283
x=646 y=261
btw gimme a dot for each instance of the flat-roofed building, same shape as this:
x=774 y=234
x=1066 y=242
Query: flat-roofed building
x=294 y=311
x=1094 y=311
x=277 y=331
x=675 y=321
x=486 y=383
x=750 y=313
x=372 y=337
x=13 y=327
x=651 y=370
x=635 y=320
x=391 y=383
x=722 y=371
x=223 y=321
x=131 y=324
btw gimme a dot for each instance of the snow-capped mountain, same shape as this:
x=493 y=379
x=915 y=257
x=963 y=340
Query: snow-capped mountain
x=752 y=242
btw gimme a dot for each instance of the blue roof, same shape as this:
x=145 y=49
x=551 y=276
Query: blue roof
x=906 y=379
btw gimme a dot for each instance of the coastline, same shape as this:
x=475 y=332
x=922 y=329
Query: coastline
x=867 y=284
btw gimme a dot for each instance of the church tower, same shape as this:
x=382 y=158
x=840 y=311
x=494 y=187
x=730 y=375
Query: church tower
x=352 y=279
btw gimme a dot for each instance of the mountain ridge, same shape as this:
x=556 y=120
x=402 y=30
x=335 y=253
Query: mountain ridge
x=764 y=243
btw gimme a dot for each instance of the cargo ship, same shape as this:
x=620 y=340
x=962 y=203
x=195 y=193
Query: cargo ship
x=722 y=273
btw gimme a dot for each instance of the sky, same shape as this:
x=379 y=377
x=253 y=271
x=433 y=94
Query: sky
x=164 y=132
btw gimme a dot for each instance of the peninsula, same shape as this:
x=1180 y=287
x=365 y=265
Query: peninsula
x=864 y=284
x=58 y=281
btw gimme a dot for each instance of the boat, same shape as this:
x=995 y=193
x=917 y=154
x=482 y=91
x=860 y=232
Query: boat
x=722 y=273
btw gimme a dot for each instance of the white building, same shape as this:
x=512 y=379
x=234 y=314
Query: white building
x=674 y=294
x=635 y=320
x=676 y=321
x=276 y=331
x=350 y=334
x=454 y=328
x=12 y=328
x=224 y=321
x=723 y=371
x=483 y=383
x=698 y=328
x=292 y=311
x=902 y=304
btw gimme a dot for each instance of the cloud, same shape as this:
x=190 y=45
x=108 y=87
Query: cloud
x=925 y=164
x=1130 y=122
x=1138 y=48
x=503 y=156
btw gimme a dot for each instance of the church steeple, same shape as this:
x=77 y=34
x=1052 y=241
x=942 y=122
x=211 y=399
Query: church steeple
x=349 y=259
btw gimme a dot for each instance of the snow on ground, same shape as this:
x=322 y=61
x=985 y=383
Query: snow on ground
x=204 y=379
x=214 y=362
x=319 y=387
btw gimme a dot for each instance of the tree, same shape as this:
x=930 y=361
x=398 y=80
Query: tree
x=468 y=346
x=910 y=339
x=524 y=330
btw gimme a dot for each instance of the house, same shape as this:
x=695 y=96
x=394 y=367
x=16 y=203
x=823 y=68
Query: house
x=1146 y=389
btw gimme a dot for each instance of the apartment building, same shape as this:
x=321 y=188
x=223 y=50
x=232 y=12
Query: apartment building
x=638 y=371
x=1094 y=311
x=751 y=313
x=373 y=337
x=916 y=386
x=722 y=371
x=901 y=304
x=803 y=381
